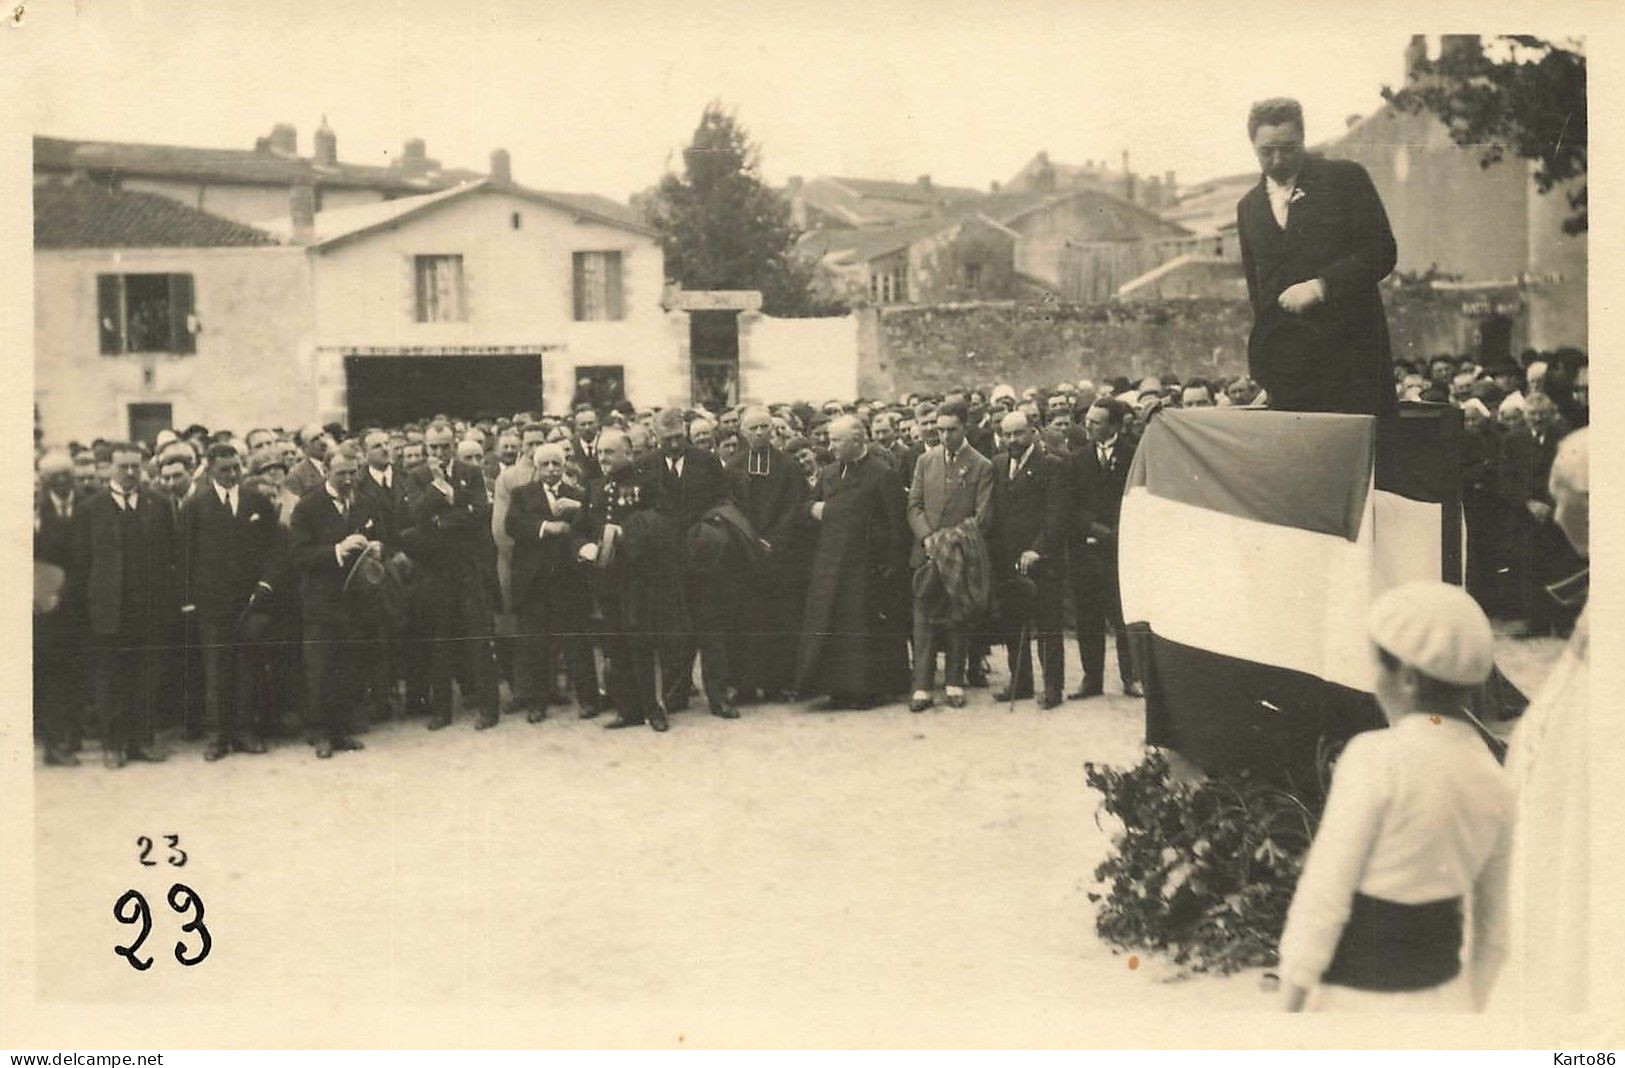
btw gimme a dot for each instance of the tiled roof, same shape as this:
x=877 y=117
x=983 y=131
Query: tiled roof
x=343 y=224
x=120 y=158
x=87 y=215
x=871 y=202
x=860 y=246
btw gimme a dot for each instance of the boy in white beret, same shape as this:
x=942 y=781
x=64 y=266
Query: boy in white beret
x=1417 y=827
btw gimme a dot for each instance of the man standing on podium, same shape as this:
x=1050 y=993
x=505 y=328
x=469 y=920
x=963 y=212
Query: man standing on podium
x=1315 y=242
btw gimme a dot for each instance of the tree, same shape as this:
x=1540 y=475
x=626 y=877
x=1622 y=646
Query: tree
x=1529 y=100
x=722 y=228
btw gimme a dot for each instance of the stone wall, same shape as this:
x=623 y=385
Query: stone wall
x=934 y=348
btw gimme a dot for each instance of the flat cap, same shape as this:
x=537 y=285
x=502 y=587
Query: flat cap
x=1436 y=628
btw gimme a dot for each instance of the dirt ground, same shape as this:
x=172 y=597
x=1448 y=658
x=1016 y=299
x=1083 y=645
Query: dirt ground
x=794 y=876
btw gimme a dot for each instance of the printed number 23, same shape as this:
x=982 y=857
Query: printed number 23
x=177 y=855
x=132 y=909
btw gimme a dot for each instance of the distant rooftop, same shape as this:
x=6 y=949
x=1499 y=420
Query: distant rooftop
x=86 y=215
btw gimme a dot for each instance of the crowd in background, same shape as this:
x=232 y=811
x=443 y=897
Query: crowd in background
x=269 y=583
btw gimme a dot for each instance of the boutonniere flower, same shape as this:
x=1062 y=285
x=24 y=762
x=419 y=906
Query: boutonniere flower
x=1297 y=195
x=254 y=518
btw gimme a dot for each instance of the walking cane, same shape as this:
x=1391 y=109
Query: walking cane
x=1021 y=653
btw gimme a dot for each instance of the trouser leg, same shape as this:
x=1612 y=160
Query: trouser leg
x=925 y=652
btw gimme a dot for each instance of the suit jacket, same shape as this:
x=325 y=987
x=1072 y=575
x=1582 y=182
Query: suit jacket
x=388 y=505
x=1097 y=491
x=316 y=528
x=53 y=541
x=702 y=486
x=303 y=478
x=542 y=566
x=943 y=495
x=1334 y=357
x=1029 y=511
x=592 y=472
x=449 y=536
x=223 y=557
x=99 y=562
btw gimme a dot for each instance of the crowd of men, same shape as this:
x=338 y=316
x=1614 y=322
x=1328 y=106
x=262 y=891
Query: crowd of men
x=313 y=583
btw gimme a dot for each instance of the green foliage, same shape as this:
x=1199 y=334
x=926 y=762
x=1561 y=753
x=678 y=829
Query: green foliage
x=1529 y=100
x=1201 y=871
x=721 y=227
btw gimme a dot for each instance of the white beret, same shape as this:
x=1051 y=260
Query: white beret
x=1436 y=628
x=1513 y=402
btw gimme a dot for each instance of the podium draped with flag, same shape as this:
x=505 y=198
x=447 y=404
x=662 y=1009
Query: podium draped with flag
x=1251 y=544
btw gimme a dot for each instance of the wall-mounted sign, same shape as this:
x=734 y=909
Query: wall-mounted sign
x=718 y=300
x=442 y=350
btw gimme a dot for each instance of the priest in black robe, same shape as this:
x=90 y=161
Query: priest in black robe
x=854 y=632
x=769 y=488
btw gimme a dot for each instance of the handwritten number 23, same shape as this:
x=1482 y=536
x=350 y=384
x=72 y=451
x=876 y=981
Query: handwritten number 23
x=132 y=908
x=177 y=855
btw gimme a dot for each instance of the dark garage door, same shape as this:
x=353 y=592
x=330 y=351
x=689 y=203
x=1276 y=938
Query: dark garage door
x=390 y=390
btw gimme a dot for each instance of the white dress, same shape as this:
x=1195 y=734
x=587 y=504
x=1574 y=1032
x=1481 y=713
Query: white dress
x=1548 y=902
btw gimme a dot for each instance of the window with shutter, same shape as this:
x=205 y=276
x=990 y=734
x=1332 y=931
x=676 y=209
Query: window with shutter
x=146 y=313
x=439 y=289
x=596 y=278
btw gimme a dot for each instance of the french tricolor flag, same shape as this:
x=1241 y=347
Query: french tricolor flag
x=1251 y=544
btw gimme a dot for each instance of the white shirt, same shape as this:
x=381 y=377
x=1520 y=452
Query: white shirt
x=228 y=497
x=1419 y=812
x=63 y=505
x=1280 y=198
x=1103 y=451
x=381 y=476
x=1016 y=465
x=675 y=465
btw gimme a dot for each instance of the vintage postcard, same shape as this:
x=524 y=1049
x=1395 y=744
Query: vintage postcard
x=1034 y=524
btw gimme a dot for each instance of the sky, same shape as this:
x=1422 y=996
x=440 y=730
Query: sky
x=600 y=97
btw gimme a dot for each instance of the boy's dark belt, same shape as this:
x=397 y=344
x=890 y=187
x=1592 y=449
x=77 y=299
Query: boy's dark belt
x=1387 y=946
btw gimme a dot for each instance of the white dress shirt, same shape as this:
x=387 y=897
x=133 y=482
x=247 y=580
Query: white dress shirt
x=228 y=497
x=1280 y=198
x=1419 y=812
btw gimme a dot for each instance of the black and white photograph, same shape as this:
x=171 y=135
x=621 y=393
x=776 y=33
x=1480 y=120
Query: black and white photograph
x=914 y=525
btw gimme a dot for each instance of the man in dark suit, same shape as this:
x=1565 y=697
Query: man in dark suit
x=952 y=483
x=584 y=445
x=1098 y=474
x=769 y=489
x=383 y=486
x=1030 y=498
x=125 y=558
x=1538 y=552
x=549 y=590
x=689 y=482
x=59 y=621
x=330 y=527
x=448 y=537
x=227 y=539
x=1315 y=242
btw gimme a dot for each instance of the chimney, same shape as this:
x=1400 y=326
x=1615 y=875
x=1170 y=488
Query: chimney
x=284 y=139
x=1459 y=46
x=1169 y=187
x=993 y=187
x=302 y=209
x=1128 y=179
x=924 y=182
x=792 y=185
x=1416 y=53
x=325 y=150
x=414 y=158
x=501 y=167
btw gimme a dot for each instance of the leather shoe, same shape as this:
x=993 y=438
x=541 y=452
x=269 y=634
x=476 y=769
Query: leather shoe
x=621 y=723
x=437 y=722
x=956 y=700
x=536 y=715
x=588 y=711
x=216 y=749
x=248 y=743
x=347 y=744
x=113 y=758
x=1132 y=689
x=919 y=704
x=149 y=756
x=657 y=721
x=1049 y=700
x=486 y=721
x=725 y=712
x=60 y=758
x=324 y=749
x=1086 y=691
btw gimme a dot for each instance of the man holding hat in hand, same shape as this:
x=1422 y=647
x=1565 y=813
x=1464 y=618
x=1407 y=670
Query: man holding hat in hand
x=1419 y=817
